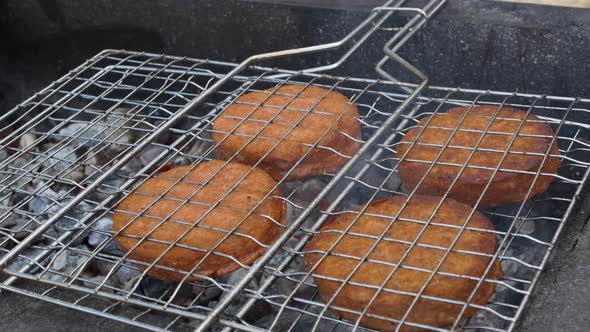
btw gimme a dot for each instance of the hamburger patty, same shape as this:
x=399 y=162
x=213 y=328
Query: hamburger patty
x=387 y=253
x=298 y=117
x=136 y=219
x=508 y=185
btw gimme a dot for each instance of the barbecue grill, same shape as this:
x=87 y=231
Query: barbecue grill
x=76 y=148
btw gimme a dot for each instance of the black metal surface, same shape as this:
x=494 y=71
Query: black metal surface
x=475 y=43
x=21 y=313
x=562 y=293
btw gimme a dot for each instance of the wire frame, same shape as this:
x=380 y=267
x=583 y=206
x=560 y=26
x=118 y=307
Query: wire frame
x=116 y=99
x=526 y=231
x=76 y=130
x=70 y=133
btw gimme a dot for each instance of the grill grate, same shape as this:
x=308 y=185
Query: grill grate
x=283 y=286
x=135 y=113
x=75 y=149
x=527 y=231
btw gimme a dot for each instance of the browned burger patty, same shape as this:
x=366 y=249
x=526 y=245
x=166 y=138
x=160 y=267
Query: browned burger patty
x=299 y=102
x=135 y=220
x=394 y=305
x=507 y=186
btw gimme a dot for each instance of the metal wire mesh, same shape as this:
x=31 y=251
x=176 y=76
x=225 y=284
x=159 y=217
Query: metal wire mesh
x=122 y=98
x=78 y=128
x=74 y=130
x=527 y=231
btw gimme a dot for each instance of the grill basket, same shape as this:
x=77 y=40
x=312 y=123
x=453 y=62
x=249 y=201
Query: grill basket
x=75 y=149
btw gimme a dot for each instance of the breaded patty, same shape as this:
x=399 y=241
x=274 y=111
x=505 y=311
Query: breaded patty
x=340 y=262
x=507 y=186
x=299 y=102
x=136 y=220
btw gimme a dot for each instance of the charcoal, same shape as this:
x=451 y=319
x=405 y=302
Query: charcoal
x=151 y=153
x=45 y=198
x=104 y=224
x=122 y=275
x=68 y=261
x=62 y=163
x=82 y=134
x=23 y=258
